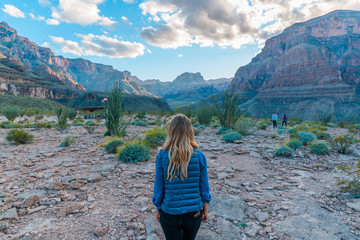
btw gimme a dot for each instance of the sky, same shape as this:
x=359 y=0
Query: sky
x=160 y=39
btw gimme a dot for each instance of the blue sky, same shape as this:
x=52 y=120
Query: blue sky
x=160 y=39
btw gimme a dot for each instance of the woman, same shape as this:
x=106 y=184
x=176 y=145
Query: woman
x=181 y=188
x=285 y=118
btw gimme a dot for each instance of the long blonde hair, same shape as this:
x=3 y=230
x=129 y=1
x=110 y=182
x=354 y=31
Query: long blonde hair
x=180 y=142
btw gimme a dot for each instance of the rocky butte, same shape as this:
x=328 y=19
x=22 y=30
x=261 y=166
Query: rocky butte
x=310 y=67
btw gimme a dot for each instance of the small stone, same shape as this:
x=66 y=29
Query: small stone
x=31 y=201
x=101 y=231
x=11 y=214
x=30 y=211
x=3 y=226
x=65 y=196
x=262 y=216
x=354 y=205
x=54 y=184
x=72 y=208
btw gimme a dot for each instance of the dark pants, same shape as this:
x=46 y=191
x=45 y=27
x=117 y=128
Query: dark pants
x=274 y=124
x=284 y=123
x=180 y=227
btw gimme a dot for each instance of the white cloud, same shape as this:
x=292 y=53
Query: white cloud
x=37 y=18
x=44 y=2
x=149 y=51
x=52 y=21
x=46 y=44
x=83 y=12
x=67 y=46
x=101 y=45
x=13 y=11
x=128 y=1
x=180 y=55
x=126 y=20
x=228 y=22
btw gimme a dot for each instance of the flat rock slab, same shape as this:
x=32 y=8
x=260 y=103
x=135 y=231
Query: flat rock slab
x=354 y=205
x=104 y=168
x=29 y=193
x=224 y=209
x=310 y=221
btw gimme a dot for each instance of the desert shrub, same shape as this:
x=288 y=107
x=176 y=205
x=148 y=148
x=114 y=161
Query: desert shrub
x=262 y=125
x=155 y=136
x=11 y=113
x=157 y=122
x=231 y=137
x=343 y=144
x=107 y=133
x=114 y=113
x=226 y=108
x=5 y=124
x=323 y=136
x=133 y=152
x=244 y=126
x=62 y=115
x=78 y=123
x=281 y=130
x=112 y=146
x=90 y=128
x=325 y=116
x=299 y=128
x=273 y=135
x=71 y=113
x=19 y=136
x=141 y=123
x=284 y=151
x=141 y=114
x=341 y=124
x=224 y=130
x=197 y=131
x=39 y=125
x=294 y=144
x=306 y=137
x=319 y=148
x=39 y=117
x=68 y=141
x=204 y=113
x=350 y=183
x=196 y=124
x=201 y=127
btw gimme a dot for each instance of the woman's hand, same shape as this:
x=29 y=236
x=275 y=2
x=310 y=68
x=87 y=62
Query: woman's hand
x=205 y=214
x=157 y=214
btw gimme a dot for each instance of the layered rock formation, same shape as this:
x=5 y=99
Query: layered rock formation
x=311 y=61
x=187 y=88
x=78 y=73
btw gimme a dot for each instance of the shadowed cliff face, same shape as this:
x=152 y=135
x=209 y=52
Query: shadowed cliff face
x=309 y=61
x=323 y=51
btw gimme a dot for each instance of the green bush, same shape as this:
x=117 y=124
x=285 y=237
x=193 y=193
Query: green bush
x=114 y=113
x=306 y=137
x=11 y=113
x=262 y=125
x=284 y=151
x=141 y=114
x=281 y=130
x=325 y=116
x=39 y=117
x=71 y=113
x=226 y=108
x=204 y=113
x=231 y=137
x=323 y=136
x=68 y=141
x=112 y=146
x=19 y=137
x=319 y=148
x=343 y=144
x=351 y=182
x=273 y=135
x=134 y=152
x=155 y=137
x=39 y=125
x=141 y=123
x=244 y=126
x=224 y=130
x=294 y=144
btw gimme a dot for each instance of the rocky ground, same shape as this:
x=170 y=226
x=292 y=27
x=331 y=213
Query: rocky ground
x=80 y=192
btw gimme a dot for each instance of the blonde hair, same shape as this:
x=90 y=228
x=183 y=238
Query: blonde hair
x=180 y=142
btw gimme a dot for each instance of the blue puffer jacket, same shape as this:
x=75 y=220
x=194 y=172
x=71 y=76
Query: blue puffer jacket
x=177 y=196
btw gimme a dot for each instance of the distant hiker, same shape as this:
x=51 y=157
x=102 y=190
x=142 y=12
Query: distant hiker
x=274 y=118
x=181 y=188
x=285 y=118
